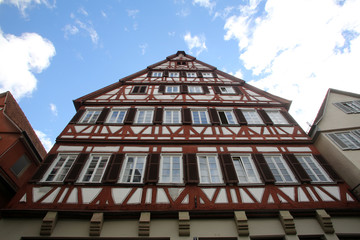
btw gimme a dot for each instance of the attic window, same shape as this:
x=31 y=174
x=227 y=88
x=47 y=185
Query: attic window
x=349 y=107
x=157 y=74
x=179 y=63
x=139 y=89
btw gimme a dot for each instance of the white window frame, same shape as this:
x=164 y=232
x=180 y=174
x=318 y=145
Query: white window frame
x=253 y=118
x=276 y=170
x=191 y=74
x=147 y=111
x=174 y=74
x=94 y=115
x=206 y=168
x=172 y=112
x=172 y=89
x=116 y=119
x=207 y=74
x=226 y=90
x=276 y=117
x=227 y=113
x=195 y=89
x=245 y=168
x=171 y=170
x=157 y=74
x=60 y=170
x=97 y=168
x=200 y=113
x=313 y=168
x=349 y=140
x=132 y=172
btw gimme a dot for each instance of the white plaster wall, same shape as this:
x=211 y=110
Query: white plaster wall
x=71 y=228
x=17 y=228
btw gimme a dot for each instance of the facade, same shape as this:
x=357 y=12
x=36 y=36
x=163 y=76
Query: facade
x=21 y=152
x=336 y=134
x=181 y=150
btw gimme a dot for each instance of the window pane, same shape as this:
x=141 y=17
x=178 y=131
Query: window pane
x=60 y=168
x=312 y=168
x=95 y=168
x=276 y=117
x=20 y=165
x=252 y=117
x=279 y=169
x=134 y=169
x=170 y=169
x=209 y=169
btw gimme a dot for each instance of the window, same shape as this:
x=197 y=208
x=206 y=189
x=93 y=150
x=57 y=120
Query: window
x=144 y=116
x=312 y=168
x=172 y=116
x=181 y=63
x=252 y=117
x=90 y=116
x=133 y=171
x=157 y=74
x=276 y=117
x=174 y=74
x=171 y=169
x=139 y=89
x=172 y=89
x=60 y=168
x=209 y=169
x=95 y=168
x=200 y=117
x=346 y=140
x=195 y=89
x=245 y=169
x=226 y=117
x=349 y=107
x=279 y=169
x=207 y=74
x=20 y=165
x=191 y=74
x=226 y=89
x=116 y=116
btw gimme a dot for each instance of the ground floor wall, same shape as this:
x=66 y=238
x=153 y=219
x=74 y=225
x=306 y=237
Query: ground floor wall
x=259 y=228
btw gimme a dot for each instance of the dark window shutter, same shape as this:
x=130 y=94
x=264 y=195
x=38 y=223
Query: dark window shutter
x=297 y=167
x=152 y=170
x=161 y=88
x=149 y=74
x=113 y=169
x=237 y=90
x=166 y=73
x=328 y=168
x=101 y=119
x=77 y=116
x=199 y=74
x=43 y=168
x=214 y=75
x=214 y=117
x=263 y=168
x=240 y=117
x=228 y=169
x=265 y=117
x=186 y=116
x=129 y=119
x=289 y=118
x=191 y=174
x=158 y=115
x=182 y=73
x=216 y=89
x=184 y=89
x=205 y=89
x=76 y=168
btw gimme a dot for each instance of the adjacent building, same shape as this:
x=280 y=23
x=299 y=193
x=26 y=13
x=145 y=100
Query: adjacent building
x=336 y=134
x=181 y=150
x=21 y=151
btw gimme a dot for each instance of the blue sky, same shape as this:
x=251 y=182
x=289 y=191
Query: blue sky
x=52 y=52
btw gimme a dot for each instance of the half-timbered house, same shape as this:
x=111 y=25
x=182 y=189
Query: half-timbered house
x=182 y=150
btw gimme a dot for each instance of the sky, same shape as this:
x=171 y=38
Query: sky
x=52 y=52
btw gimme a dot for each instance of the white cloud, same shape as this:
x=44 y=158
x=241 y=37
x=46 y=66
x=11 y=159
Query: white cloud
x=132 y=13
x=143 y=48
x=70 y=30
x=20 y=58
x=183 y=12
x=45 y=140
x=195 y=42
x=89 y=29
x=53 y=109
x=22 y=5
x=104 y=14
x=83 y=11
x=299 y=49
x=205 y=3
x=171 y=34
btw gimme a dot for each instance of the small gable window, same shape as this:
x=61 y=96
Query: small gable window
x=252 y=117
x=226 y=90
x=116 y=116
x=157 y=74
x=226 y=117
x=144 y=116
x=90 y=116
x=191 y=74
x=207 y=74
x=195 y=89
x=172 y=89
x=181 y=63
x=174 y=74
x=139 y=89
x=276 y=117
